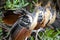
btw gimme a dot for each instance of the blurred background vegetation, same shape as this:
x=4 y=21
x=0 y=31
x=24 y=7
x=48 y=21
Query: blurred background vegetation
x=48 y=34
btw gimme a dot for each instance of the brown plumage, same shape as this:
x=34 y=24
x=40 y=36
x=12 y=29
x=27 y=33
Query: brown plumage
x=10 y=18
x=22 y=34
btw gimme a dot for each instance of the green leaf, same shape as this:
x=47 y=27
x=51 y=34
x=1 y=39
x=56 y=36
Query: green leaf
x=25 y=4
x=32 y=38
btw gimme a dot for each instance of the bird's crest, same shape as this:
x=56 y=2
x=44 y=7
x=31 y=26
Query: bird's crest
x=37 y=4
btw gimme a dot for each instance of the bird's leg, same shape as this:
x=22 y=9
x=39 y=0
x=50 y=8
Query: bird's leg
x=38 y=32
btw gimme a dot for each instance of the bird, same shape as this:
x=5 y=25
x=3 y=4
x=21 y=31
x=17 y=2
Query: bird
x=44 y=18
x=40 y=17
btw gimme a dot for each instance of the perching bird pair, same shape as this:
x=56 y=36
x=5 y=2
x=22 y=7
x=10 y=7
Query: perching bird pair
x=24 y=24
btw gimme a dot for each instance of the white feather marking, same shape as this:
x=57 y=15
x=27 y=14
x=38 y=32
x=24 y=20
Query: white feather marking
x=30 y=18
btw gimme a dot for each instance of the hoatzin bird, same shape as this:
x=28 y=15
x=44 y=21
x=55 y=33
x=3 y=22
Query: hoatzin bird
x=23 y=25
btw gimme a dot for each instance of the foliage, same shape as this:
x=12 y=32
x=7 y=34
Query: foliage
x=0 y=16
x=15 y=4
x=0 y=33
x=49 y=34
x=18 y=4
x=31 y=4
